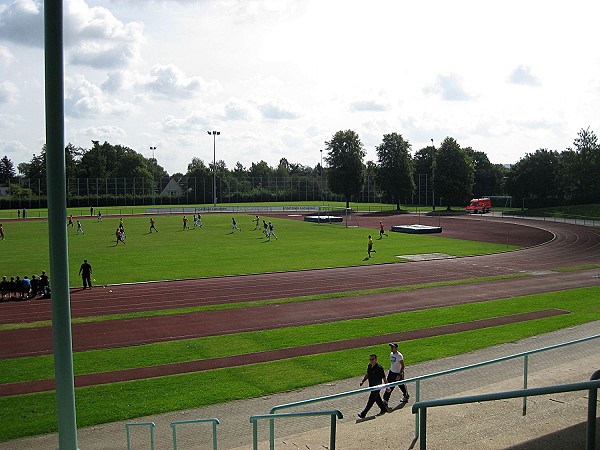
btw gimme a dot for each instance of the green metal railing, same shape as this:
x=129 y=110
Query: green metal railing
x=214 y=422
x=417 y=380
x=592 y=386
x=151 y=425
x=334 y=414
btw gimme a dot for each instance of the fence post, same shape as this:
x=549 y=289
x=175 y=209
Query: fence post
x=590 y=441
x=525 y=371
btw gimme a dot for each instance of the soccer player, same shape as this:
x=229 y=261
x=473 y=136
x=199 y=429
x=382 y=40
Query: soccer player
x=370 y=247
x=381 y=231
x=271 y=232
x=256 y=219
x=234 y=225
x=79 y=229
x=152 y=227
x=70 y=221
x=185 y=221
x=1 y=231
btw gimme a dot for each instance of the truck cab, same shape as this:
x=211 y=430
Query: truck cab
x=479 y=205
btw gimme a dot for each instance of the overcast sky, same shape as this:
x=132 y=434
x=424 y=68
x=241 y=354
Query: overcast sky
x=278 y=78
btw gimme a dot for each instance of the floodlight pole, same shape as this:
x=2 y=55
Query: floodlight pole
x=322 y=195
x=432 y=179
x=153 y=170
x=57 y=209
x=214 y=135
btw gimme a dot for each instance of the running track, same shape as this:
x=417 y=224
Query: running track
x=551 y=245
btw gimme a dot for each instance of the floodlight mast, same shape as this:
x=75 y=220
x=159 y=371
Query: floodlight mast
x=214 y=135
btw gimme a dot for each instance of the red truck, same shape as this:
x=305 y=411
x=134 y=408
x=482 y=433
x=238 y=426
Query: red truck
x=479 y=205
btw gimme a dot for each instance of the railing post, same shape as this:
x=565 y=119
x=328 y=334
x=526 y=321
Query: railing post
x=590 y=441
x=525 y=372
x=423 y=426
x=272 y=434
x=332 y=432
x=417 y=415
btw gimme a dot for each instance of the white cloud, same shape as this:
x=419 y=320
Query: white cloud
x=85 y=99
x=523 y=75
x=449 y=87
x=13 y=148
x=368 y=105
x=170 y=82
x=238 y=109
x=193 y=122
x=93 y=36
x=6 y=56
x=278 y=109
x=9 y=93
x=104 y=132
x=22 y=22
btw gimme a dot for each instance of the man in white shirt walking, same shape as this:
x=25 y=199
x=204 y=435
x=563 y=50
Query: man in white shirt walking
x=396 y=373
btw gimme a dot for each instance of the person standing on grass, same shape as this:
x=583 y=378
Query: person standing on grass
x=271 y=232
x=256 y=219
x=234 y=225
x=119 y=236
x=370 y=247
x=79 y=229
x=185 y=221
x=199 y=223
x=381 y=230
x=91 y=211
x=70 y=223
x=396 y=373
x=86 y=274
x=1 y=231
x=265 y=228
x=99 y=216
x=376 y=375
x=152 y=227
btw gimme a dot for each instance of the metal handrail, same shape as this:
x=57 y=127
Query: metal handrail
x=152 y=425
x=417 y=380
x=334 y=413
x=593 y=386
x=214 y=422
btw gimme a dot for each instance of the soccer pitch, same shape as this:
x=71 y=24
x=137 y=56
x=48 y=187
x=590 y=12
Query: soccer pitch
x=212 y=250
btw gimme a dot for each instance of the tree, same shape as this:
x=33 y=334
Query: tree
x=345 y=171
x=488 y=177
x=260 y=170
x=395 y=169
x=197 y=169
x=239 y=171
x=534 y=179
x=36 y=168
x=283 y=169
x=453 y=173
x=587 y=166
x=424 y=161
x=7 y=168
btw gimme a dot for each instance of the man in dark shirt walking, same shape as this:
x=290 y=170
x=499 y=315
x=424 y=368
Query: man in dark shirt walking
x=86 y=274
x=376 y=376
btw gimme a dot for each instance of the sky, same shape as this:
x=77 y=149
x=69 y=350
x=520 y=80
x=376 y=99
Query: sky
x=278 y=78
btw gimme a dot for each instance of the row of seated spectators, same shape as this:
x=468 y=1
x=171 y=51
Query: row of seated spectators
x=24 y=288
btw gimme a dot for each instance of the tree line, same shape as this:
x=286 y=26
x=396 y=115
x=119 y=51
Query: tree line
x=452 y=173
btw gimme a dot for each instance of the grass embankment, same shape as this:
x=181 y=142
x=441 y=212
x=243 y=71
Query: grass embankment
x=34 y=414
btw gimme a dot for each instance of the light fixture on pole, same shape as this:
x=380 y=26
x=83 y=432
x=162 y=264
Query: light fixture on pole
x=432 y=179
x=322 y=196
x=153 y=171
x=214 y=135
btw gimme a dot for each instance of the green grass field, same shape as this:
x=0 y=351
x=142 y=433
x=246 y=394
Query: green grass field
x=174 y=253
x=212 y=251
